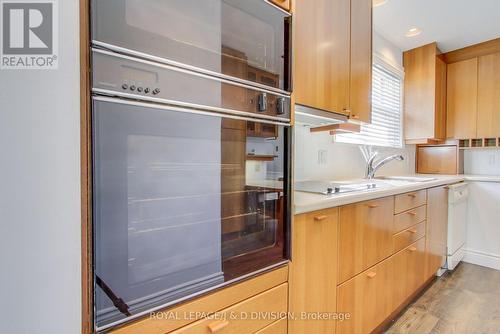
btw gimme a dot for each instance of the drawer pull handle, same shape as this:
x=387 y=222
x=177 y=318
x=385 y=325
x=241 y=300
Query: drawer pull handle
x=412 y=249
x=320 y=218
x=372 y=274
x=412 y=231
x=411 y=213
x=412 y=195
x=372 y=206
x=217 y=325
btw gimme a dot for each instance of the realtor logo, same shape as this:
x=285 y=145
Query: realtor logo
x=29 y=34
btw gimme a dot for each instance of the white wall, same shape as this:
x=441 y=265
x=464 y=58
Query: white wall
x=345 y=161
x=40 y=192
x=483 y=225
x=482 y=161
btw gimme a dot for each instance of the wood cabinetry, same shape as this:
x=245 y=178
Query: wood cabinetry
x=409 y=200
x=437 y=159
x=285 y=4
x=332 y=56
x=313 y=270
x=488 y=103
x=409 y=273
x=365 y=236
x=425 y=95
x=437 y=228
x=462 y=95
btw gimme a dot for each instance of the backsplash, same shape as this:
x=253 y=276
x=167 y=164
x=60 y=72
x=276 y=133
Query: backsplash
x=482 y=161
x=317 y=157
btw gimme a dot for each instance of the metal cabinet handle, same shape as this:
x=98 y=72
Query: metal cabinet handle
x=413 y=231
x=412 y=249
x=320 y=218
x=217 y=325
x=411 y=213
x=371 y=274
x=412 y=195
x=372 y=206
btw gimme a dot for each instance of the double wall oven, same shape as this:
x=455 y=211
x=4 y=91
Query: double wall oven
x=191 y=149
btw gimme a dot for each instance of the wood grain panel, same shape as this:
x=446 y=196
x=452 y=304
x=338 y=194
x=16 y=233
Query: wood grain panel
x=321 y=53
x=210 y=303
x=473 y=51
x=462 y=99
x=409 y=218
x=367 y=298
x=488 y=117
x=313 y=270
x=437 y=229
x=278 y=327
x=407 y=237
x=440 y=108
x=273 y=301
x=437 y=159
x=361 y=61
x=409 y=200
x=285 y=4
x=420 y=92
x=366 y=231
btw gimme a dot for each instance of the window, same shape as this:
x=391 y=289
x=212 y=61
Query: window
x=386 y=127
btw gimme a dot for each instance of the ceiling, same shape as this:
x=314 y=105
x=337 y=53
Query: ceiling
x=453 y=24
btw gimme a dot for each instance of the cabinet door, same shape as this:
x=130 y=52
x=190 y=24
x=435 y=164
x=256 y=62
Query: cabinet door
x=366 y=231
x=322 y=51
x=313 y=270
x=367 y=298
x=437 y=228
x=361 y=60
x=488 y=118
x=462 y=99
x=285 y=4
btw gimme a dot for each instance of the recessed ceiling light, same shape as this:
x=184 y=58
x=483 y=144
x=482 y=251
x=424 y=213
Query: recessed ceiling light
x=413 y=32
x=377 y=3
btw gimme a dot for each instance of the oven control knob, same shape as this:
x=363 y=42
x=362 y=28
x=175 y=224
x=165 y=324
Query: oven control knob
x=132 y=88
x=262 y=104
x=125 y=86
x=139 y=89
x=146 y=90
x=156 y=91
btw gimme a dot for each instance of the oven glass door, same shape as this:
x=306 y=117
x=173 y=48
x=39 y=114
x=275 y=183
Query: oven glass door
x=183 y=202
x=251 y=33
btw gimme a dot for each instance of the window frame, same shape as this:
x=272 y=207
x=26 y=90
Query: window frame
x=397 y=71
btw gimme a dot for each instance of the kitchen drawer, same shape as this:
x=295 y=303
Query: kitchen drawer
x=267 y=304
x=367 y=298
x=277 y=327
x=409 y=201
x=366 y=231
x=409 y=271
x=409 y=218
x=408 y=236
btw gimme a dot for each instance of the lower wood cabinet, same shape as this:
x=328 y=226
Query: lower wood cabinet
x=366 y=232
x=242 y=317
x=437 y=229
x=367 y=298
x=313 y=270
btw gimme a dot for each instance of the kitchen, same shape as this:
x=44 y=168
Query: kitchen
x=258 y=166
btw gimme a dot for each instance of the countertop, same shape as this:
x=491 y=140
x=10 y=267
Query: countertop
x=307 y=202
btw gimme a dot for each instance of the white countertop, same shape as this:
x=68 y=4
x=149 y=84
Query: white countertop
x=482 y=178
x=307 y=202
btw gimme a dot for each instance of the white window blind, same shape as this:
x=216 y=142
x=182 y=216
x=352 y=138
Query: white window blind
x=386 y=126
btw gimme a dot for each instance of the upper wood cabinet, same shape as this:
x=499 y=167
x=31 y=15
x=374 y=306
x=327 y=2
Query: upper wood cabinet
x=488 y=103
x=462 y=99
x=333 y=56
x=313 y=269
x=285 y=4
x=424 y=95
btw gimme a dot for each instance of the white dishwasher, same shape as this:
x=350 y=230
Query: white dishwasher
x=457 y=219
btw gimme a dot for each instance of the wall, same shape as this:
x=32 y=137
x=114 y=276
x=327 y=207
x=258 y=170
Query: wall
x=482 y=161
x=483 y=226
x=318 y=157
x=40 y=283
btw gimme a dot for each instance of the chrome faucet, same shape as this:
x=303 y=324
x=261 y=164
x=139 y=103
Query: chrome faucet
x=372 y=168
